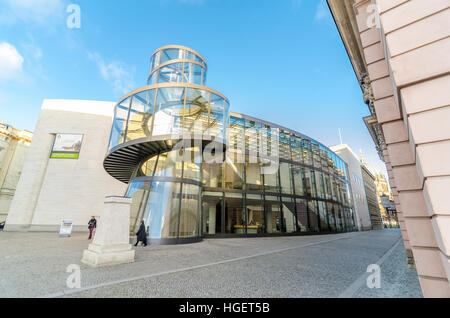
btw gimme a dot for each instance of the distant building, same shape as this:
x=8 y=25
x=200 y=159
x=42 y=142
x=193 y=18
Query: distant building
x=383 y=190
x=391 y=212
x=14 y=144
x=372 y=198
x=356 y=184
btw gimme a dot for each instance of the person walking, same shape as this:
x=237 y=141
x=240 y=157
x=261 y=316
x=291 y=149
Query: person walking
x=141 y=235
x=91 y=226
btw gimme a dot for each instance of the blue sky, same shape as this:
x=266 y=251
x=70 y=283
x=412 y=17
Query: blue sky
x=279 y=60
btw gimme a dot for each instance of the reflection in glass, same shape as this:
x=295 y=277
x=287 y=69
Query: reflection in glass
x=169 y=111
x=212 y=203
x=138 y=192
x=234 y=213
x=255 y=214
x=119 y=125
x=289 y=223
x=302 y=215
x=273 y=214
x=141 y=115
x=161 y=215
x=189 y=217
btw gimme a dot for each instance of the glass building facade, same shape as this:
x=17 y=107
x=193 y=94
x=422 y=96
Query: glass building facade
x=182 y=197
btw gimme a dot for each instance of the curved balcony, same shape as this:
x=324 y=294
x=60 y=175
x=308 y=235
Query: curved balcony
x=154 y=118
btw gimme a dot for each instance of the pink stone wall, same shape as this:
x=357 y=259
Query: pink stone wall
x=408 y=62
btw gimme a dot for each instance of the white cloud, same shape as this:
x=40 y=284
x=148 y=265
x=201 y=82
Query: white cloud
x=31 y=11
x=322 y=11
x=11 y=62
x=117 y=74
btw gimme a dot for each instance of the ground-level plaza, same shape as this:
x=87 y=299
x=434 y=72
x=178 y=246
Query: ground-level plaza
x=35 y=265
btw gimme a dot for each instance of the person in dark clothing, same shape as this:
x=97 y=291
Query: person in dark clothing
x=141 y=235
x=91 y=226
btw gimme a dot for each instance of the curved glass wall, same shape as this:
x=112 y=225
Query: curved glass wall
x=177 y=65
x=171 y=110
x=308 y=192
x=305 y=188
x=170 y=209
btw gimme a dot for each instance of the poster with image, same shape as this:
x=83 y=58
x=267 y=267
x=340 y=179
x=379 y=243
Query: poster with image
x=67 y=146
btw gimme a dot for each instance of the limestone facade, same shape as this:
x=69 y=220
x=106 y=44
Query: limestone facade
x=50 y=190
x=400 y=53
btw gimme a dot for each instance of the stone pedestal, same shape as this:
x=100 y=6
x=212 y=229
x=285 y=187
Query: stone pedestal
x=111 y=243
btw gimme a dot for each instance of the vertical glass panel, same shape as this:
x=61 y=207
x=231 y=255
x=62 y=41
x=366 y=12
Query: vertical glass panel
x=171 y=54
x=327 y=187
x=161 y=214
x=273 y=214
x=316 y=154
x=285 y=148
x=141 y=115
x=271 y=183
x=169 y=111
x=138 y=192
x=172 y=73
x=296 y=148
x=212 y=203
x=190 y=212
x=196 y=114
x=234 y=214
x=307 y=155
x=313 y=182
x=253 y=176
x=339 y=219
x=193 y=73
x=307 y=180
x=189 y=55
x=255 y=214
x=302 y=215
x=148 y=167
x=168 y=165
x=236 y=136
x=192 y=166
x=323 y=216
x=227 y=118
x=217 y=118
x=119 y=124
x=319 y=184
x=157 y=59
x=298 y=176
x=212 y=175
x=234 y=175
x=331 y=216
x=153 y=79
x=289 y=220
x=285 y=178
x=313 y=216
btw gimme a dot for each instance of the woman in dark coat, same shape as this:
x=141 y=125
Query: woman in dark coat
x=141 y=235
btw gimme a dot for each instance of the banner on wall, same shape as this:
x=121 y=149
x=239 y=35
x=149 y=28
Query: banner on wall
x=66 y=228
x=67 y=146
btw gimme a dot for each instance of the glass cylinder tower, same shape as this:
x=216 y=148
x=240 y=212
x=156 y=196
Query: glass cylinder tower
x=148 y=124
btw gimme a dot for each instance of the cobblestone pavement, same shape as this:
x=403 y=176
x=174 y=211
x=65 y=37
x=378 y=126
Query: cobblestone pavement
x=34 y=265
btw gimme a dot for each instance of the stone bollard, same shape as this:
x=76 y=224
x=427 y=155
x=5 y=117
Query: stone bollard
x=111 y=243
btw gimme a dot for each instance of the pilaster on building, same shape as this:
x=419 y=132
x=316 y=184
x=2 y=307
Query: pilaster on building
x=399 y=50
